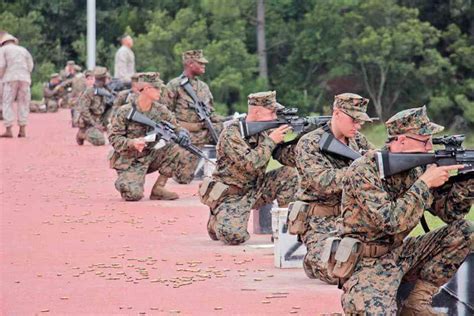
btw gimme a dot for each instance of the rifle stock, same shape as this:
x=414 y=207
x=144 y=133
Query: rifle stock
x=393 y=163
x=330 y=144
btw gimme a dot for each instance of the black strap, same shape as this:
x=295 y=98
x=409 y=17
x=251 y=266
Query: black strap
x=385 y=162
x=424 y=224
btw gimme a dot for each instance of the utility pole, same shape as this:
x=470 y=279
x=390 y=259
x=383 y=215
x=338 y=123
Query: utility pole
x=90 y=34
x=261 y=45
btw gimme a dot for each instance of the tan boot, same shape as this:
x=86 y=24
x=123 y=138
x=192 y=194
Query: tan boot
x=22 y=132
x=8 y=132
x=80 y=136
x=419 y=300
x=159 y=192
x=210 y=227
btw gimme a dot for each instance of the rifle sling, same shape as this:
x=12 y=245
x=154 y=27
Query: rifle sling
x=386 y=163
x=424 y=224
x=189 y=90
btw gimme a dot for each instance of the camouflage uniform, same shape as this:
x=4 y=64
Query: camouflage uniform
x=178 y=102
x=52 y=94
x=91 y=108
x=16 y=65
x=382 y=212
x=321 y=184
x=241 y=165
x=124 y=63
x=131 y=165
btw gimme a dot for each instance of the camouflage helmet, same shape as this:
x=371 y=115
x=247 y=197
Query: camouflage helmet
x=266 y=99
x=151 y=77
x=353 y=105
x=88 y=73
x=70 y=63
x=54 y=75
x=100 y=72
x=196 y=55
x=413 y=121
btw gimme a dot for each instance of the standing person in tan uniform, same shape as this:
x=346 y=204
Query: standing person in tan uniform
x=125 y=60
x=16 y=65
x=2 y=33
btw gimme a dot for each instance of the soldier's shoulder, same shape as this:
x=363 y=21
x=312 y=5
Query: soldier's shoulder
x=312 y=138
x=174 y=82
x=124 y=110
x=365 y=164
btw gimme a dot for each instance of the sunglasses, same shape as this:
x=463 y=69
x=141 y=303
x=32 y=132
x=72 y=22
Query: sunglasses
x=424 y=142
x=354 y=120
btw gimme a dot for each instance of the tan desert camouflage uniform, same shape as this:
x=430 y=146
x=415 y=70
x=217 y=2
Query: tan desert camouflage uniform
x=382 y=212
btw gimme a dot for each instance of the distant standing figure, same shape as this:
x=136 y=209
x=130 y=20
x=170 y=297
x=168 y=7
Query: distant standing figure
x=16 y=65
x=125 y=60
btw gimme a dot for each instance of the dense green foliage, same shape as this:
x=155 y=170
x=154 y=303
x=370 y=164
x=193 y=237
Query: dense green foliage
x=398 y=53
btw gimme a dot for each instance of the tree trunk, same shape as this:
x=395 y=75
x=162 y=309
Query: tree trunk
x=261 y=45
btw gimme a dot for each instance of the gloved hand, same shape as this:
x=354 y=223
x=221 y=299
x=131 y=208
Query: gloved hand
x=184 y=139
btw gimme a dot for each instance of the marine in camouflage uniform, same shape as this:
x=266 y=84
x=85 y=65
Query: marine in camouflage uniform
x=131 y=164
x=179 y=102
x=79 y=87
x=53 y=93
x=382 y=212
x=241 y=166
x=91 y=107
x=69 y=76
x=321 y=177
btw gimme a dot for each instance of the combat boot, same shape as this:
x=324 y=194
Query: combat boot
x=210 y=227
x=22 y=132
x=159 y=192
x=8 y=132
x=80 y=136
x=419 y=300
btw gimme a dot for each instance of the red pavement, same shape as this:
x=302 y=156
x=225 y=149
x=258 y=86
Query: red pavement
x=71 y=246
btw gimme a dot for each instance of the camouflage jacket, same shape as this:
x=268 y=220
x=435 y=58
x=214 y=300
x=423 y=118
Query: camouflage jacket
x=52 y=92
x=241 y=162
x=122 y=98
x=179 y=102
x=91 y=107
x=16 y=63
x=386 y=210
x=122 y=131
x=321 y=174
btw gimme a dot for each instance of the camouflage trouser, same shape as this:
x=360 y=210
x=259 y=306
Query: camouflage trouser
x=18 y=91
x=185 y=165
x=433 y=257
x=131 y=181
x=1 y=100
x=319 y=229
x=92 y=134
x=233 y=213
x=51 y=105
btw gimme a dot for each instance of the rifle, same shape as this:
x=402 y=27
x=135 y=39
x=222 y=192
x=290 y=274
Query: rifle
x=201 y=109
x=163 y=131
x=330 y=144
x=117 y=85
x=285 y=116
x=392 y=163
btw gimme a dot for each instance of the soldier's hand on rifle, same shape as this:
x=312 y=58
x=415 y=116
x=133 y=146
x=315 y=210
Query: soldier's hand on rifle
x=139 y=144
x=183 y=138
x=436 y=176
x=278 y=135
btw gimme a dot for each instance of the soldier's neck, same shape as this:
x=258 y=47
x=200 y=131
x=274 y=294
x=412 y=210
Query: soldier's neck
x=189 y=74
x=144 y=103
x=339 y=136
